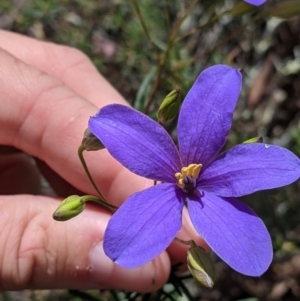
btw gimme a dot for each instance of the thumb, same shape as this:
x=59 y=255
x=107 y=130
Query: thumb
x=38 y=252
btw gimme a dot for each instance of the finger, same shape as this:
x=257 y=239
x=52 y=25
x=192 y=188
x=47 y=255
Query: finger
x=41 y=253
x=47 y=120
x=66 y=63
x=73 y=68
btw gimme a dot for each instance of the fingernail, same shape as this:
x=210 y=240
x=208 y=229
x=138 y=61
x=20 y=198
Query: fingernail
x=100 y=265
x=106 y=274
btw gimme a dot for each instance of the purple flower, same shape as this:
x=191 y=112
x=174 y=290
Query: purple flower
x=255 y=2
x=193 y=175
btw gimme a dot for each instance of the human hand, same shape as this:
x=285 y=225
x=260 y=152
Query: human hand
x=47 y=94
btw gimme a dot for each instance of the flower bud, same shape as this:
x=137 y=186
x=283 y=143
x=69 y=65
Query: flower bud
x=201 y=266
x=69 y=208
x=169 y=107
x=90 y=142
x=254 y=140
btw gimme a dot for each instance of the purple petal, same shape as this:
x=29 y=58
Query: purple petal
x=247 y=168
x=255 y=2
x=137 y=142
x=234 y=233
x=144 y=225
x=206 y=114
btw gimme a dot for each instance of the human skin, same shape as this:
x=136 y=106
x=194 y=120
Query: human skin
x=47 y=94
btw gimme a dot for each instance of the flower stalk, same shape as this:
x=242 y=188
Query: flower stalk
x=101 y=200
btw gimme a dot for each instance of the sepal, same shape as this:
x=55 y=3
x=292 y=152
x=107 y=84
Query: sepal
x=201 y=266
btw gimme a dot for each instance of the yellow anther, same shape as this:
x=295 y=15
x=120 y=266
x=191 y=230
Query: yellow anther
x=195 y=170
x=184 y=171
x=178 y=175
x=192 y=170
x=180 y=183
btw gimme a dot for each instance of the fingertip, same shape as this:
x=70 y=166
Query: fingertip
x=147 y=278
x=178 y=251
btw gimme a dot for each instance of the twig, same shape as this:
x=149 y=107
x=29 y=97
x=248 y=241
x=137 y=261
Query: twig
x=168 y=14
x=138 y=12
x=222 y=42
x=162 y=61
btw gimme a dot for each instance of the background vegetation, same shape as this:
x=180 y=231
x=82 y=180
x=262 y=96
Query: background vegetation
x=146 y=49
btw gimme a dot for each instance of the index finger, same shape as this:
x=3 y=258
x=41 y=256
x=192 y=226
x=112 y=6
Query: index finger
x=43 y=117
x=68 y=64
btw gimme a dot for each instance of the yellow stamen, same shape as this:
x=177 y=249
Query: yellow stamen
x=184 y=171
x=196 y=170
x=178 y=176
x=180 y=183
x=192 y=170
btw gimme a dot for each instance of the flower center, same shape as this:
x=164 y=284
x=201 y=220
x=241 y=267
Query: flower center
x=187 y=178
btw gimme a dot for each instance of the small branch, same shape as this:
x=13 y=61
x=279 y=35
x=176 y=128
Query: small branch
x=162 y=61
x=168 y=14
x=195 y=30
x=154 y=89
x=222 y=42
x=138 y=12
x=181 y=20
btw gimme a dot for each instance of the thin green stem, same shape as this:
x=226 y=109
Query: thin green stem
x=80 y=155
x=195 y=30
x=168 y=14
x=102 y=200
x=162 y=61
x=114 y=295
x=178 y=283
x=185 y=242
x=181 y=20
x=154 y=88
x=91 y=198
x=186 y=291
x=138 y=12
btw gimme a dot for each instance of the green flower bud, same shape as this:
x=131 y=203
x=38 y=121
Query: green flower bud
x=90 y=142
x=201 y=266
x=169 y=107
x=69 y=208
x=254 y=140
